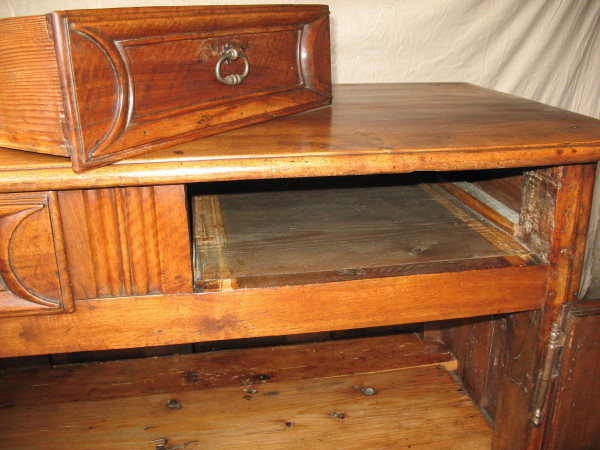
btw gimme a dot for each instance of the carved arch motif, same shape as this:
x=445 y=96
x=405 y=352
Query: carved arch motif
x=124 y=99
x=11 y=217
x=16 y=297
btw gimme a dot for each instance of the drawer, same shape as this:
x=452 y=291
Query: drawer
x=120 y=83
x=274 y=233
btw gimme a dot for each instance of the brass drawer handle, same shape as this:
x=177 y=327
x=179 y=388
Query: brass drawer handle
x=228 y=55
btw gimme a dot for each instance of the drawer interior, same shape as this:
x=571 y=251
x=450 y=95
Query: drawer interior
x=301 y=231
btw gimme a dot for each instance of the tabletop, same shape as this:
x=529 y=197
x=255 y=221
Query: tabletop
x=377 y=128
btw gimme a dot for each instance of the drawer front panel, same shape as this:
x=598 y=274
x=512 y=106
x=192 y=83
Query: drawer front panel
x=33 y=267
x=186 y=78
x=142 y=79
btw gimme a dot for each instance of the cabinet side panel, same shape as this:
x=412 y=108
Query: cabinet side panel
x=31 y=104
x=127 y=241
x=478 y=345
x=507 y=190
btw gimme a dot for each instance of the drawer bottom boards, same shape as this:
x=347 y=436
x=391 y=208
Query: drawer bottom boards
x=327 y=231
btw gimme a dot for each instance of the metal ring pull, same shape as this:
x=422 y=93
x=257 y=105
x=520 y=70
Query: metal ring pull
x=230 y=54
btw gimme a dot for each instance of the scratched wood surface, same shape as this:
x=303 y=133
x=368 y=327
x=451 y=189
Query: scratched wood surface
x=554 y=218
x=369 y=129
x=573 y=420
x=414 y=402
x=215 y=369
x=273 y=236
x=478 y=343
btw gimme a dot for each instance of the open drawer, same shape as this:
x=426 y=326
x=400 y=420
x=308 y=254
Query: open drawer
x=406 y=248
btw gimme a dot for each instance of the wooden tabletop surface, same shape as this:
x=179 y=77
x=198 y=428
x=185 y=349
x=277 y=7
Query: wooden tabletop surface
x=382 y=128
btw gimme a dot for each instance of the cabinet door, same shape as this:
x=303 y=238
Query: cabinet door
x=573 y=416
x=33 y=266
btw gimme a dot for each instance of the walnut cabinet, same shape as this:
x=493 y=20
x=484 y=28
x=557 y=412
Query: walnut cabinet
x=437 y=203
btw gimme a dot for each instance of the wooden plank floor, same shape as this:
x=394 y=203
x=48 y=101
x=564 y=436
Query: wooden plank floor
x=300 y=396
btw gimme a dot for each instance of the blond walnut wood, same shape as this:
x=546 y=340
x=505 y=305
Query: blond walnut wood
x=303 y=397
x=34 y=277
x=218 y=369
x=31 y=106
x=127 y=241
x=369 y=129
x=126 y=322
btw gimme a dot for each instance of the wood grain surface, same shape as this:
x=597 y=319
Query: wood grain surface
x=497 y=218
x=127 y=241
x=478 y=343
x=31 y=104
x=260 y=400
x=573 y=421
x=554 y=219
x=34 y=276
x=369 y=129
x=506 y=189
x=260 y=238
x=217 y=369
x=125 y=322
x=101 y=85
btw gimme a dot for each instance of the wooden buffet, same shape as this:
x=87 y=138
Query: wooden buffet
x=398 y=204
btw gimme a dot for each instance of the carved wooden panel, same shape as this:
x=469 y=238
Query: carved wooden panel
x=138 y=79
x=33 y=267
x=127 y=241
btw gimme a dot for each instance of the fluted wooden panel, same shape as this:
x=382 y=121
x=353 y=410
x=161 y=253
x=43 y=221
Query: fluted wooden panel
x=117 y=244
